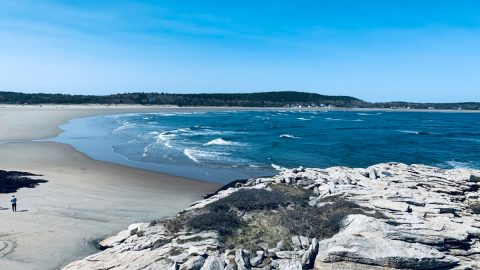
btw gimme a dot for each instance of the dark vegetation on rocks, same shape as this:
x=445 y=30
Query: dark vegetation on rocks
x=475 y=207
x=254 y=218
x=389 y=215
x=224 y=222
x=12 y=181
x=253 y=199
x=318 y=222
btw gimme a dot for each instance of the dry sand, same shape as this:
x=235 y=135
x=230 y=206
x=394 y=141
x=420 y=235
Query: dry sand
x=84 y=199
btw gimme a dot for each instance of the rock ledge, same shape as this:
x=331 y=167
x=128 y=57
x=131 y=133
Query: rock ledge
x=428 y=221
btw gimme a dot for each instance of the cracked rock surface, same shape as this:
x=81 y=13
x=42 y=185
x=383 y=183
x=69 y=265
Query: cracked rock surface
x=428 y=219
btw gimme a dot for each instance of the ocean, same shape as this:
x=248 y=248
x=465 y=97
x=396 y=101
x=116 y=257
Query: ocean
x=229 y=145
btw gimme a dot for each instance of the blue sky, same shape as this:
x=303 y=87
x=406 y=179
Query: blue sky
x=374 y=50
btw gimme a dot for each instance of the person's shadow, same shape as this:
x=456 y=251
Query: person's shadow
x=24 y=210
x=3 y=208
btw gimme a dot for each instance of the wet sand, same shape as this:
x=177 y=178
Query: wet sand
x=84 y=199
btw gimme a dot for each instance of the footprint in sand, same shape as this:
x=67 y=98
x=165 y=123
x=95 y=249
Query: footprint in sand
x=6 y=247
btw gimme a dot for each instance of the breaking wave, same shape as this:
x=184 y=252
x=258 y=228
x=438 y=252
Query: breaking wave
x=369 y=113
x=415 y=132
x=220 y=141
x=288 y=136
x=339 y=119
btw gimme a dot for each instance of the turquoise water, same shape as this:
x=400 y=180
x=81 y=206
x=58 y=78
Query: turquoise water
x=223 y=146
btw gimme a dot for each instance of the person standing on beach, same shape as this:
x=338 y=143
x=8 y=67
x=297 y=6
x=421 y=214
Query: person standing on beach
x=14 y=203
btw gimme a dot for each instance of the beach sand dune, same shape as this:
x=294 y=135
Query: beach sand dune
x=83 y=200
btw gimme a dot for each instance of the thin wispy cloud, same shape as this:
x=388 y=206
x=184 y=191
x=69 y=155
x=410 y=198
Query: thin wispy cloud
x=375 y=50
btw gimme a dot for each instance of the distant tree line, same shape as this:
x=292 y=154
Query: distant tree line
x=436 y=106
x=263 y=99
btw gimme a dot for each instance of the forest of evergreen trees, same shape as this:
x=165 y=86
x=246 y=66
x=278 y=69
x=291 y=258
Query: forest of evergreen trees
x=262 y=99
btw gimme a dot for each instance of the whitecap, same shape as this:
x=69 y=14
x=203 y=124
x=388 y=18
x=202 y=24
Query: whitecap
x=289 y=136
x=165 y=138
x=165 y=114
x=415 y=132
x=303 y=119
x=195 y=155
x=278 y=167
x=220 y=141
x=190 y=154
x=347 y=120
x=125 y=125
x=408 y=131
x=369 y=113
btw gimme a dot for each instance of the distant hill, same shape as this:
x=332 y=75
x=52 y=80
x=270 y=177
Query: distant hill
x=262 y=99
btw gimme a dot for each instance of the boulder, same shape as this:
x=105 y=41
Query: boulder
x=415 y=217
x=287 y=264
x=305 y=242
x=474 y=178
x=308 y=258
x=194 y=263
x=114 y=240
x=213 y=263
x=375 y=250
x=364 y=240
x=134 y=228
x=296 y=241
x=242 y=260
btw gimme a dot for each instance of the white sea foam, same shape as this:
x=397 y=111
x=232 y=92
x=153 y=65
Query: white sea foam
x=220 y=141
x=196 y=155
x=415 y=132
x=460 y=165
x=165 y=138
x=116 y=116
x=278 y=167
x=409 y=131
x=289 y=136
x=347 y=120
x=303 y=119
x=369 y=113
x=190 y=154
x=125 y=125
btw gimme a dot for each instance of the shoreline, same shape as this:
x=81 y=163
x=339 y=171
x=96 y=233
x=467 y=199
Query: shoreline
x=84 y=199
x=17 y=131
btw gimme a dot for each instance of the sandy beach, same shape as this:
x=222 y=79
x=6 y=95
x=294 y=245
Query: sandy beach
x=84 y=199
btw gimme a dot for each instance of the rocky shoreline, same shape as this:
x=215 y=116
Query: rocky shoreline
x=393 y=216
